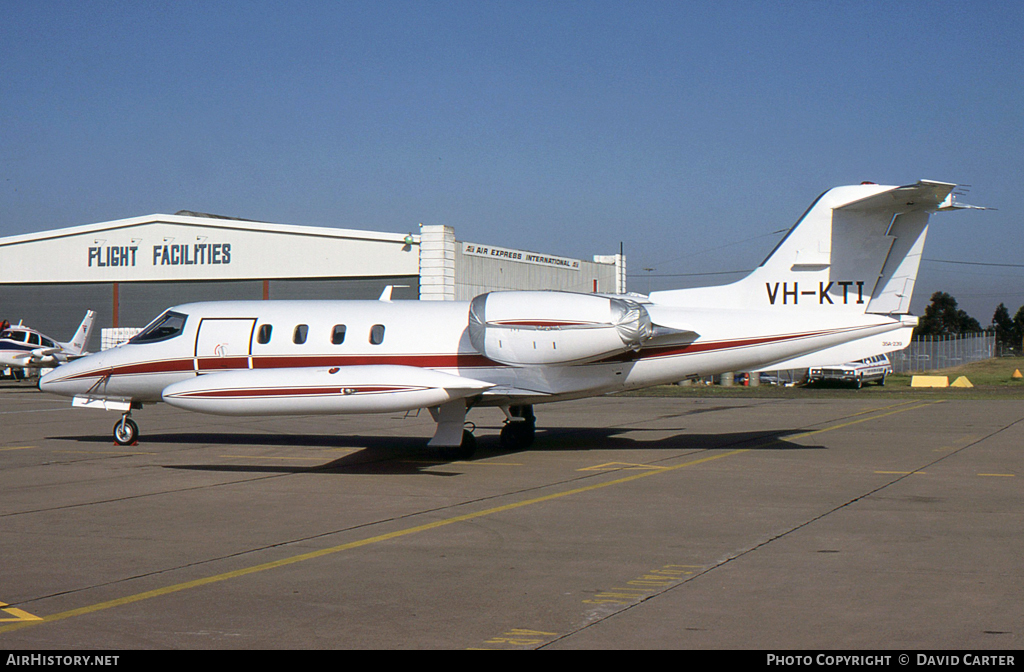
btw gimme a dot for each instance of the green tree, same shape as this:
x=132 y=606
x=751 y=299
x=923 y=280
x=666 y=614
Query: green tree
x=1008 y=334
x=942 y=317
x=1018 y=330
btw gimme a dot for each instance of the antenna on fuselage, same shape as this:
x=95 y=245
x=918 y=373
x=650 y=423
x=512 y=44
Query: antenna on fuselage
x=386 y=294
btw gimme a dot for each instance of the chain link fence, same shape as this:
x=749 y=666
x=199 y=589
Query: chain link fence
x=926 y=353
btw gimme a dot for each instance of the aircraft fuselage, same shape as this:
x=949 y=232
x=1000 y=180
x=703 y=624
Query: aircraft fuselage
x=263 y=336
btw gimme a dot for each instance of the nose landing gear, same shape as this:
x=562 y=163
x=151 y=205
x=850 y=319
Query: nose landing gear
x=126 y=431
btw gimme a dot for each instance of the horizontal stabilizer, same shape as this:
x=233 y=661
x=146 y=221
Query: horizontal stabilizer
x=925 y=195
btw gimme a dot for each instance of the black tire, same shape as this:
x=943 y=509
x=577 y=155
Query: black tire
x=517 y=435
x=464 y=450
x=468 y=446
x=126 y=432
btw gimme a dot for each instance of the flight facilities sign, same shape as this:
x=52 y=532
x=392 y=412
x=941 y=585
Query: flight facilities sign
x=195 y=254
x=167 y=250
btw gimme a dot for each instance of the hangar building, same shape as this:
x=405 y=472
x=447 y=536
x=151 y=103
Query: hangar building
x=130 y=270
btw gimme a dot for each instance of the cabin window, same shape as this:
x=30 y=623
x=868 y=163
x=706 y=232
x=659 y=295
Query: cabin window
x=338 y=334
x=263 y=335
x=377 y=334
x=299 y=337
x=47 y=343
x=33 y=339
x=165 y=327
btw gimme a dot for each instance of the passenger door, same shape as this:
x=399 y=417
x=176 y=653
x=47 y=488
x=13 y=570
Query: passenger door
x=224 y=344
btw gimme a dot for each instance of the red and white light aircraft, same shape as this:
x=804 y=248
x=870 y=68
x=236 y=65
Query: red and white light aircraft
x=836 y=288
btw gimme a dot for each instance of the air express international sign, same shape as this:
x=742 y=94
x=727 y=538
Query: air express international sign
x=521 y=256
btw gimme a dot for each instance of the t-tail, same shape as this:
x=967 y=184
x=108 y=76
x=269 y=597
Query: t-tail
x=857 y=248
x=850 y=263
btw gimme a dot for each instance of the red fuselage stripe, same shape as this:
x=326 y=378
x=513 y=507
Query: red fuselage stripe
x=296 y=391
x=423 y=361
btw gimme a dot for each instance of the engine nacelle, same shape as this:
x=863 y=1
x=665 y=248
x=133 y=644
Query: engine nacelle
x=550 y=328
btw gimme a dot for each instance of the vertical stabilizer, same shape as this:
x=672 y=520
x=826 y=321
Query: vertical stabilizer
x=856 y=249
x=78 y=342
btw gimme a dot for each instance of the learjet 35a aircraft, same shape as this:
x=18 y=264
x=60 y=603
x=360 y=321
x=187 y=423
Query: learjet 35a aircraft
x=25 y=348
x=836 y=288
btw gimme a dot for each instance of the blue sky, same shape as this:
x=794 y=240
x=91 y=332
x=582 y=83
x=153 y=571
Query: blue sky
x=689 y=132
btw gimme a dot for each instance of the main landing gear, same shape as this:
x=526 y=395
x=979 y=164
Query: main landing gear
x=520 y=428
x=457 y=442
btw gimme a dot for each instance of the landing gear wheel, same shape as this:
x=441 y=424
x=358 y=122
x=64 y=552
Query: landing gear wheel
x=516 y=435
x=464 y=450
x=468 y=446
x=519 y=434
x=126 y=432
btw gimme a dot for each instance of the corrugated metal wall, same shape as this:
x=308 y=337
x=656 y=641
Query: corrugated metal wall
x=475 y=275
x=57 y=309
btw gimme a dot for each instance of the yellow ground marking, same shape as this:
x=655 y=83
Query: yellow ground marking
x=483 y=463
x=611 y=466
x=522 y=637
x=284 y=562
x=480 y=463
x=873 y=417
x=19 y=615
x=271 y=457
x=966 y=441
x=18 y=448
x=1003 y=475
x=99 y=452
x=397 y=534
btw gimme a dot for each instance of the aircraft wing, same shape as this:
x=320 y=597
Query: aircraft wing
x=38 y=356
x=374 y=388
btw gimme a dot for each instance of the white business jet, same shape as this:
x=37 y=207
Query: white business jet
x=836 y=288
x=25 y=348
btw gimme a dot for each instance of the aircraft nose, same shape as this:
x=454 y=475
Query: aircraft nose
x=65 y=379
x=45 y=383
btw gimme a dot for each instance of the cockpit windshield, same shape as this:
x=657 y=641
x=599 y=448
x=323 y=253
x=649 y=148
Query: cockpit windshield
x=165 y=327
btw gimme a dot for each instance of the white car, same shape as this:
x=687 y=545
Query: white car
x=862 y=371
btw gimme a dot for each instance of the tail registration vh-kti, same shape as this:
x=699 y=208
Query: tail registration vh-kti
x=836 y=288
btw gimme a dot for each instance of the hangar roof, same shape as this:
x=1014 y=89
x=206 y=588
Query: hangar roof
x=207 y=221
x=186 y=247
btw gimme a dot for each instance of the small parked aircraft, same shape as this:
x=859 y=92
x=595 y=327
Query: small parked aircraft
x=836 y=288
x=24 y=348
